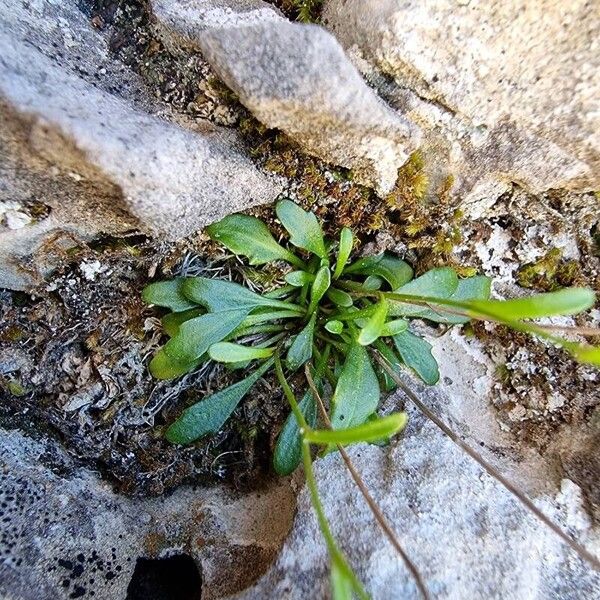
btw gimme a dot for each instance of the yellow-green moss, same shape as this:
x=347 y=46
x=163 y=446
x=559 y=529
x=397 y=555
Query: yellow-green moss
x=550 y=272
x=426 y=219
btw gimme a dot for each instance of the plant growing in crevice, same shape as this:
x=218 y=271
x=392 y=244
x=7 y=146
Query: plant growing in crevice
x=341 y=326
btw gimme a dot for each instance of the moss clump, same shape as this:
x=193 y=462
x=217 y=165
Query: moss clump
x=305 y=11
x=551 y=272
x=411 y=184
x=425 y=220
x=15 y=388
x=502 y=373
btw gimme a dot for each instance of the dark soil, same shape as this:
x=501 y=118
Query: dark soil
x=73 y=362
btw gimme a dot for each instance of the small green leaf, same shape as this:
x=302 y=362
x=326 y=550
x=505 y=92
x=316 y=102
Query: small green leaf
x=301 y=349
x=416 y=353
x=372 y=282
x=288 y=450
x=472 y=288
x=209 y=415
x=228 y=352
x=303 y=227
x=344 y=250
x=356 y=394
x=334 y=326
x=354 y=314
x=585 y=353
x=173 y=321
x=318 y=288
x=339 y=297
x=169 y=294
x=394 y=270
x=250 y=237
x=197 y=335
x=569 y=301
x=372 y=431
x=394 y=327
x=374 y=326
x=279 y=292
x=299 y=278
x=265 y=317
x=440 y=283
x=217 y=295
x=162 y=366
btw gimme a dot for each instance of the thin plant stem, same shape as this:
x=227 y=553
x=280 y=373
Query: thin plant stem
x=287 y=390
x=379 y=516
x=311 y=483
x=332 y=546
x=513 y=489
x=334 y=343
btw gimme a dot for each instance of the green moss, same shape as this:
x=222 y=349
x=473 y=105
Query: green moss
x=305 y=11
x=411 y=184
x=15 y=388
x=550 y=272
x=502 y=373
x=426 y=219
x=12 y=334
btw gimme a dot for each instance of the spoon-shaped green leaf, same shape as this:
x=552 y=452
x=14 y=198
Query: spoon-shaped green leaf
x=394 y=270
x=209 y=415
x=169 y=294
x=303 y=227
x=299 y=278
x=197 y=335
x=344 y=250
x=375 y=430
x=218 y=295
x=375 y=324
x=288 y=450
x=301 y=349
x=318 y=288
x=228 y=352
x=356 y=394
x=248 y=236
x=416 y=353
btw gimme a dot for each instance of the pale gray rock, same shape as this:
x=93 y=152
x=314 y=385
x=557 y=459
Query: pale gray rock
x=80 y=137
x=467 y=535
x=504 y=92
x=65 y=534
x=298 y=79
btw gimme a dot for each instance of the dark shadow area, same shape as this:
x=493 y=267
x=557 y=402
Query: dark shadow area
x=172 y=578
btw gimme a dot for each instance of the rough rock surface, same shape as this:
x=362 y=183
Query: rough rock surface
x=67 y=535
x=467 y=535
x=503 y=92
x=80 y=138
x=296 y=78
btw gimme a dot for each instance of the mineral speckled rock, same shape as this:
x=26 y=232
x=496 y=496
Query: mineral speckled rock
x=80 y=135
x=504 y=92
x=296 y=78
x=66 y=535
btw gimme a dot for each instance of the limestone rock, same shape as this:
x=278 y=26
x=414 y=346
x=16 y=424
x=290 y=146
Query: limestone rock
x=67 y=535
x=467 y=535
x=296 y=78
x=81 y=139
x=504 y=92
